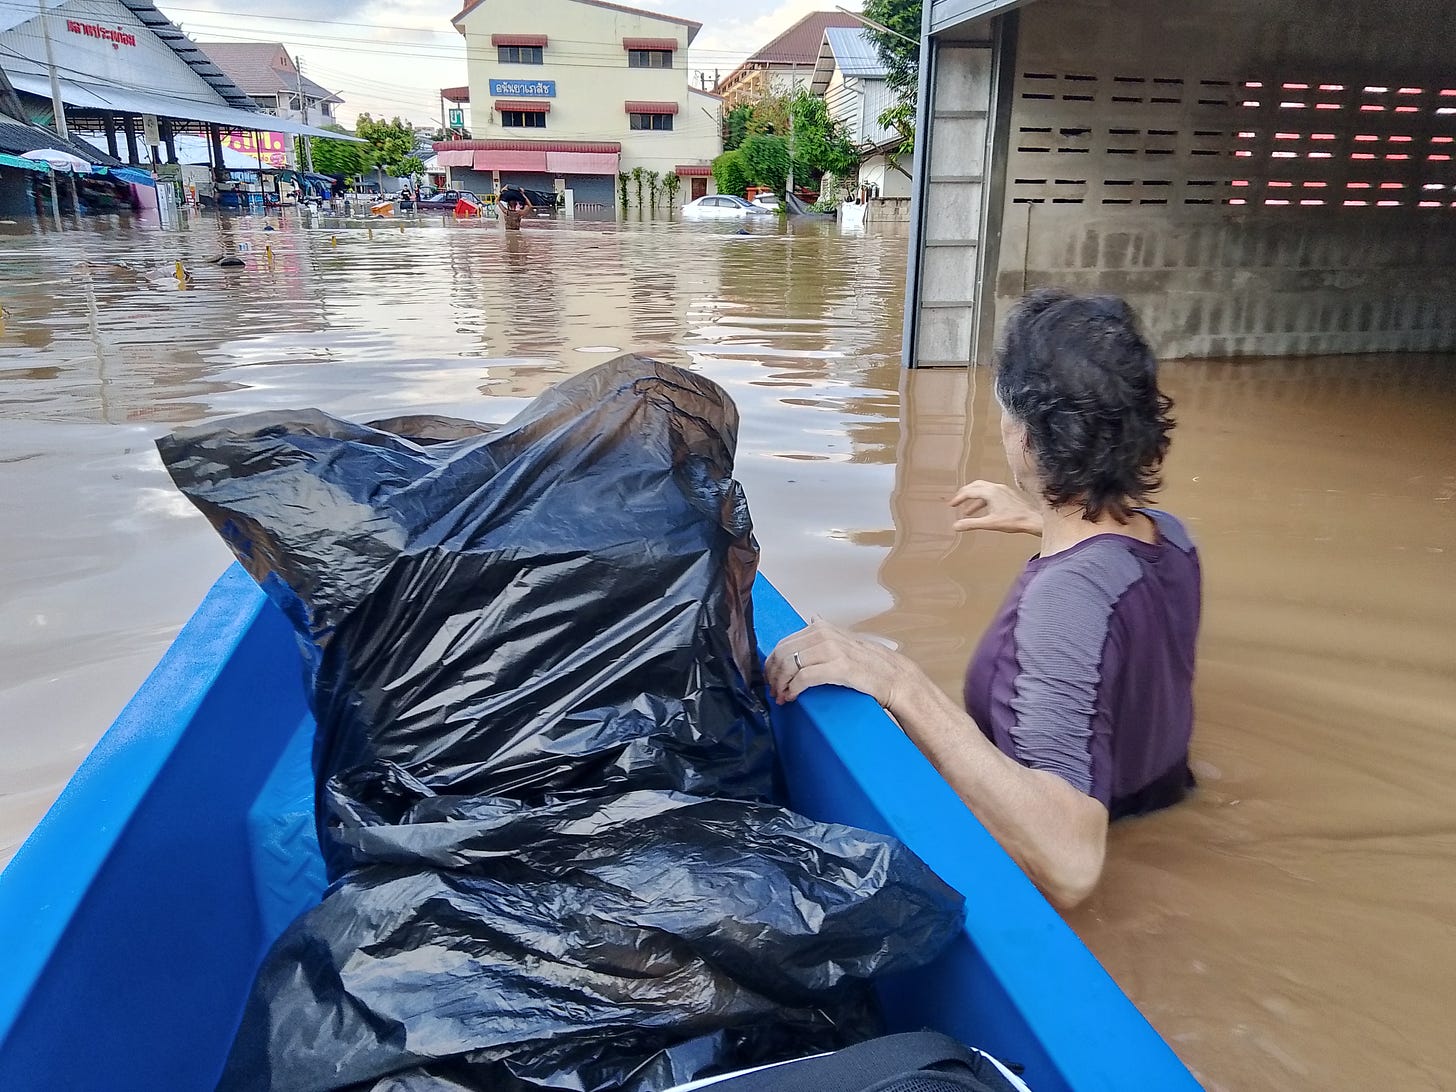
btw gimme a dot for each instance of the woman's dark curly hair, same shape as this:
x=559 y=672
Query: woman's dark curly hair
x=1077 y=373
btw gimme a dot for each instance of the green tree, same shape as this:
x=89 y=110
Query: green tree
x=821 y=143
x=735 y=126
x=901 y=59
x=730 y=174
x=671 y=183
x=391 y=142
x=639 y=176
x=654 y=186
x=622 y=179
x=340 y=158
x=766 y=161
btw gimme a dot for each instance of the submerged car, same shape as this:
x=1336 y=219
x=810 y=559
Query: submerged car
x=446 y=200
x=721 y=206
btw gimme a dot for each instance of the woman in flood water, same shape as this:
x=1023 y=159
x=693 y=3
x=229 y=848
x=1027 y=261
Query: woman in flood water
x=1078 y=701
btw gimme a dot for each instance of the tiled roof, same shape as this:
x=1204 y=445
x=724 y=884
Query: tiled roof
x=262 y=68
x=800 y=43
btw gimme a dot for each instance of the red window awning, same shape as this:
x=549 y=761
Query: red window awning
x=669 y=44
x=691 y=170
x=518 y=40
x=651 y=107
x=524 y=106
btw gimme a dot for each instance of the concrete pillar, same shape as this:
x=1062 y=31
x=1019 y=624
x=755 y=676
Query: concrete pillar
x=108 y=120
x=214 y=136
x=129 y=126
x=955 y=219
x=169 y=138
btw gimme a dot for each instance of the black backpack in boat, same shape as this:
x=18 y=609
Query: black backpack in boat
x=916 y=1061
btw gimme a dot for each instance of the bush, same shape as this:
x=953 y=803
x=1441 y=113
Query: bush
x=731 y=174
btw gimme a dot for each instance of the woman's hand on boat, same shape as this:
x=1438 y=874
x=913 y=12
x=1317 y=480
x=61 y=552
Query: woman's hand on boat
x=823 y=653
x=991 y=506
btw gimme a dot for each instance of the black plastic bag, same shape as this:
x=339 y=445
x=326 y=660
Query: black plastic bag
x=542 y=760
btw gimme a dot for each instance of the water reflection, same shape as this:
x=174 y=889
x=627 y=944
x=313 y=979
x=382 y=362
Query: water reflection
x=1289 y=928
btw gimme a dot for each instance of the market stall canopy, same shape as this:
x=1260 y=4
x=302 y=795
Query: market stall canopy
x=62 y=161
x=105 y=97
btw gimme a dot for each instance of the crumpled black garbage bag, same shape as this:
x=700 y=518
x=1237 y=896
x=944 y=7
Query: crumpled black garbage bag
x=543 y=762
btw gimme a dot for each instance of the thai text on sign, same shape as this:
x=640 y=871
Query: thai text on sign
x=272 y=148
x=117 y=36
x=524 y=89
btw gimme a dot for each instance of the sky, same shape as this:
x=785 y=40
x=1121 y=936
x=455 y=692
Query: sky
x=391 y=57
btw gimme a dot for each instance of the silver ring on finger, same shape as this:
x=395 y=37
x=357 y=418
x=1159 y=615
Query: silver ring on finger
x=798 y=664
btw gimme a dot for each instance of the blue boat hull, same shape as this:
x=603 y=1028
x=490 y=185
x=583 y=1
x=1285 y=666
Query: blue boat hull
x=134 y=917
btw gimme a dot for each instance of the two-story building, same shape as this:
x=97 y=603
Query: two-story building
x=566 y=94
x=272 y=79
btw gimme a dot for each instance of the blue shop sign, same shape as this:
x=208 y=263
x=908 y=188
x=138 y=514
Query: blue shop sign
x=524 y=89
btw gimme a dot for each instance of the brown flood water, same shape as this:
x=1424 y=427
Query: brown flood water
x=1292 y=927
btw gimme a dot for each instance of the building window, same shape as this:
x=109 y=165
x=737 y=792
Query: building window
x=524 y=119
x=649 y=58
x=510 y=54
x=652 y=121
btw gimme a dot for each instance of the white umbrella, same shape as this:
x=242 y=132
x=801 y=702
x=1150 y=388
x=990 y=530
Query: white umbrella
x=61 y=160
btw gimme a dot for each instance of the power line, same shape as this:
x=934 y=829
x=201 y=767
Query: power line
x=444 y=50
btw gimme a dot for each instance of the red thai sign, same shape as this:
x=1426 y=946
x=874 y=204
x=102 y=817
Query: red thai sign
x=117 y=36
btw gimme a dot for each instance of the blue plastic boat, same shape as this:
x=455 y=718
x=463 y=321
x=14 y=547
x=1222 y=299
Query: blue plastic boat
x=133 y=919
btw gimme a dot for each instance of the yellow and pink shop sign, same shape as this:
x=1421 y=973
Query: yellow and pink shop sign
x=272 y=148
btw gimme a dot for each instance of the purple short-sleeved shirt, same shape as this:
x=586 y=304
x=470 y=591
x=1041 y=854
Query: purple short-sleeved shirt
x=1087 y=670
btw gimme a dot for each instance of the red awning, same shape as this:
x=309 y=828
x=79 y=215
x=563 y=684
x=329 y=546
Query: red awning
x=510 y=161
x=688 y=170
x=518 y=40
x=581 y=162
x=669 y=44
x=523 y=106
x=651 y=107
x=455 y=94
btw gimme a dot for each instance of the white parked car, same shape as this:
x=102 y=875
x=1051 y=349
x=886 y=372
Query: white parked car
x=768 y=201
x=720 y=206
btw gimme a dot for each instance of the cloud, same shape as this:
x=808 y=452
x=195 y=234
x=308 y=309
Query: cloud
x=391 y=57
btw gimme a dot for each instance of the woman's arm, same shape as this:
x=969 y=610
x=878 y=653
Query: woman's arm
x=1056 y=833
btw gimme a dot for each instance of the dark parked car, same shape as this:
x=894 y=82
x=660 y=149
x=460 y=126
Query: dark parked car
x=446 y=200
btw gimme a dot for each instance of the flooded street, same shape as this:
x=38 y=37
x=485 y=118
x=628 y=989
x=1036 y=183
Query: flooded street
x=1289 y=928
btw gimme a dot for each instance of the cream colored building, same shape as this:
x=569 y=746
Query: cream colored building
x=567 y=93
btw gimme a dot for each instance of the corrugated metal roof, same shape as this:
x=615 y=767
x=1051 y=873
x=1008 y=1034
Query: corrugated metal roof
x=855 y=53
x=190 y=55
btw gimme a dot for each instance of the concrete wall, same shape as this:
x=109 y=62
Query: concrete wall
x=1258 y=178
x=1216 y=282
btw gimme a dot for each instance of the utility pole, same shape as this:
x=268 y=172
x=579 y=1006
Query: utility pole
x=303 y=105
x=56 y=105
